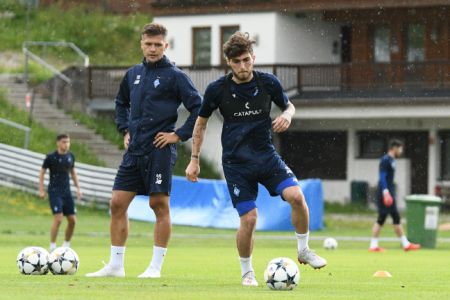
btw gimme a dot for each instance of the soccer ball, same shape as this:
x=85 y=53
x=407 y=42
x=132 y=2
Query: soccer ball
x=282 y=274
x=33 y=261
x=330 y=244
x=63 y=261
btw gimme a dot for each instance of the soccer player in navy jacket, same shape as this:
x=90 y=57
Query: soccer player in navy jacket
x=61 y=163
x=146 y=112
x=244 y=98
x=386 y=199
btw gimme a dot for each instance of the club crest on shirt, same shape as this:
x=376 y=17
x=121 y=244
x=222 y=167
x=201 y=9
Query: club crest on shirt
x=236 y=191
x=156 y=82
x=138 y=79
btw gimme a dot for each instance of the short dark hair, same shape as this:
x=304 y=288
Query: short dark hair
x=238 y=44
x=394 y=143
x=153 y=29
x=62 y=136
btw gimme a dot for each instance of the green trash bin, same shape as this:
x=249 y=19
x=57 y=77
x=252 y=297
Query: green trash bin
x=422 y=213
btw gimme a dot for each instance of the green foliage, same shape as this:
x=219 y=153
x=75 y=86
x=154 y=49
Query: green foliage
x=106 y=127
x=108 y=39
x=37 y=73
x=41 y=139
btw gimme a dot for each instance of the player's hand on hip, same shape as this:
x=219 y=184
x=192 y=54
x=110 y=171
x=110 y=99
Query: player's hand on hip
x=193 y=170
x=42 y=194
x=162 y=139
x=126 y=140
x=387 y=198
x=281 y=123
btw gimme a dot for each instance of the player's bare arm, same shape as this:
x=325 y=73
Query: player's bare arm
x=282 y=122
x=74 y=175
x=41 y=183
x=193 y=169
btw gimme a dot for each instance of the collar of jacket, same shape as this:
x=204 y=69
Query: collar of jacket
x=162 y=63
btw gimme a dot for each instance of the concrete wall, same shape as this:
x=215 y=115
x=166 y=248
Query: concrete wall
x=306 y=39
x=260 y=25
x=367 y=169
x=281 y=38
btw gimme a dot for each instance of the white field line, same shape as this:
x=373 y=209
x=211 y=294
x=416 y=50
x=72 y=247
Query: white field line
x=233 y=236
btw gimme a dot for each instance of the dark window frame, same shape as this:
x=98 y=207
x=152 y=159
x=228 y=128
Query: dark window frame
x=302 y=150
x=444 y=173
x=194 y=50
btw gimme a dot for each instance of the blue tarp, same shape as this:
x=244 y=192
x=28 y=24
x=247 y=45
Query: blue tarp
x=207 y=204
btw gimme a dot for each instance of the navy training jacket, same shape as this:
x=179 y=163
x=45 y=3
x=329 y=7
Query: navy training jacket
x=148 y=100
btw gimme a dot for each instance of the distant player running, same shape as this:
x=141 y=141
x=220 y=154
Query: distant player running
x=244 y=99
x=146 y=111
x=60 y=162
x=386 y=196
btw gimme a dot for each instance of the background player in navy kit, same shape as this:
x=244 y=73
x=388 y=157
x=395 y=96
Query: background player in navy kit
x=60 y=162
x=386 y=196
x=146 y=112
x=244 y=99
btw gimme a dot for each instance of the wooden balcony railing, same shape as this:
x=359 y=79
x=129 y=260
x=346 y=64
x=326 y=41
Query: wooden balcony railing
x=320 y=79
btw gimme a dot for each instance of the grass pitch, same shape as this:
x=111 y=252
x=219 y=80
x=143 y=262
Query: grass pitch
x=203 y=264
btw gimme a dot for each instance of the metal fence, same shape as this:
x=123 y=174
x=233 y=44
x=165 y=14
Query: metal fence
x=26 y=129
x=20 y=168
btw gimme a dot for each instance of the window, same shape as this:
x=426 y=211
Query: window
x=320 y=154
x=371 y=145
x=445 y=155
x=381 y=44
x=201 y=46
x=415 y=40
x=225 y=33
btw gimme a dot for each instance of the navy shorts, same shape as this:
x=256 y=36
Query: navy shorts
x=147 y=174
x=62 y=202
x=242 y=181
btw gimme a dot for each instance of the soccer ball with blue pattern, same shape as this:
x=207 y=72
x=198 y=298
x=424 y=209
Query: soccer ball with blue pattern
x=282 y=274
x=63 y=261
x=33 y=261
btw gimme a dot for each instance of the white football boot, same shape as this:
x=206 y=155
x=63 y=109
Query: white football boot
x=150 y=273
x=249 y=279
x=308 y=256
x=108 y=271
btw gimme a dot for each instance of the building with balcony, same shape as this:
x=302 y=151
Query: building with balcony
x=358 y=72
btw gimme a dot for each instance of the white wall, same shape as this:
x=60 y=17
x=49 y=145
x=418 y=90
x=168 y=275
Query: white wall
x=212 y=146
x=257 y=24
x=368 y=170
x=305 y=39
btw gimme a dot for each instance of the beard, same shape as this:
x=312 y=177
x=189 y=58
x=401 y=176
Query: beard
x=242 y=76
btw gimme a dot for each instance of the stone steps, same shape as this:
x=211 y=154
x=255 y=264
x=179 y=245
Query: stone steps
x=55 y=119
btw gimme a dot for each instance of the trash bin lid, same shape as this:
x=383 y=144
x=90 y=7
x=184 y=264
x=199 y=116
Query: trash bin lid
x=424 y=198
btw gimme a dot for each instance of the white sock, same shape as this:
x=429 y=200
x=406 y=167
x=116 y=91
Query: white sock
x=158 y=258
x=302 y=241
x=404 y=240
x=246 y=265
x=374 y=243
x=52 y=246
x=117 y=257
x=66 y=244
